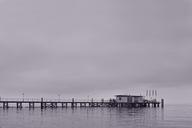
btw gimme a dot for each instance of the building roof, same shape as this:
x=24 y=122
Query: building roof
x=127 y=96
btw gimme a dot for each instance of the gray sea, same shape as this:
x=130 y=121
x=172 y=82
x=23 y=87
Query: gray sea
x=171 y=116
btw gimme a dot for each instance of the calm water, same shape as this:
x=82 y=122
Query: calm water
x=172 y=116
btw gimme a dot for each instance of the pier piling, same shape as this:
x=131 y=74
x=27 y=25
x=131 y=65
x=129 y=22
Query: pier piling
x=41 y=103
x=72 y=103
x=5 y=105
x=162 y=103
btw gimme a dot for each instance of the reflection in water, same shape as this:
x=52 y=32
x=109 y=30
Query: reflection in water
x=170 y=116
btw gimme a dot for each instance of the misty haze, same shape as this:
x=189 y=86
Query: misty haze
x=96 y=49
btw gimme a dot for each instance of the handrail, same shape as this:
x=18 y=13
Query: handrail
x=52 y=100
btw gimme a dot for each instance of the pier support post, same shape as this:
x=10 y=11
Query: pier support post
x=62 y=105
x=5 y=105
x=31 y=105
x=102 y=101
x=52 y=105
x=72 y=103
x=66 y=105
x=44 y=105
x=92 y=104
x=41 y=103
x=75 y=104
x=19 y=105
x=162 y=103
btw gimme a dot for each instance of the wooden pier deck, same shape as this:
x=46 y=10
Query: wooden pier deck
x=64 y=104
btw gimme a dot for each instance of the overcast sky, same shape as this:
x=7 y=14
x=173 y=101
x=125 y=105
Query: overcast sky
x=96 y=48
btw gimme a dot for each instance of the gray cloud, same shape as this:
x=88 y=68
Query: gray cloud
x=80 y=47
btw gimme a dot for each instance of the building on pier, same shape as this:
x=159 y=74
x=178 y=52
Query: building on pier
x=129 y=99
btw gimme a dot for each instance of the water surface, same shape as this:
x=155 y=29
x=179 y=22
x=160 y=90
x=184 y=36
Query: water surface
x=172 y=116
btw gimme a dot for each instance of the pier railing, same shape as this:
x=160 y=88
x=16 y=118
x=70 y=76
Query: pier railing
x=53 y=100
x=20 y=99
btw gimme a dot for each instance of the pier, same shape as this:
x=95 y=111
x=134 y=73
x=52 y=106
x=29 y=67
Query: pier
x=43 y=104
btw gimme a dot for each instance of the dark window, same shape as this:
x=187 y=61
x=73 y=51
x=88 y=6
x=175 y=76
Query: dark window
x=119 y=98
